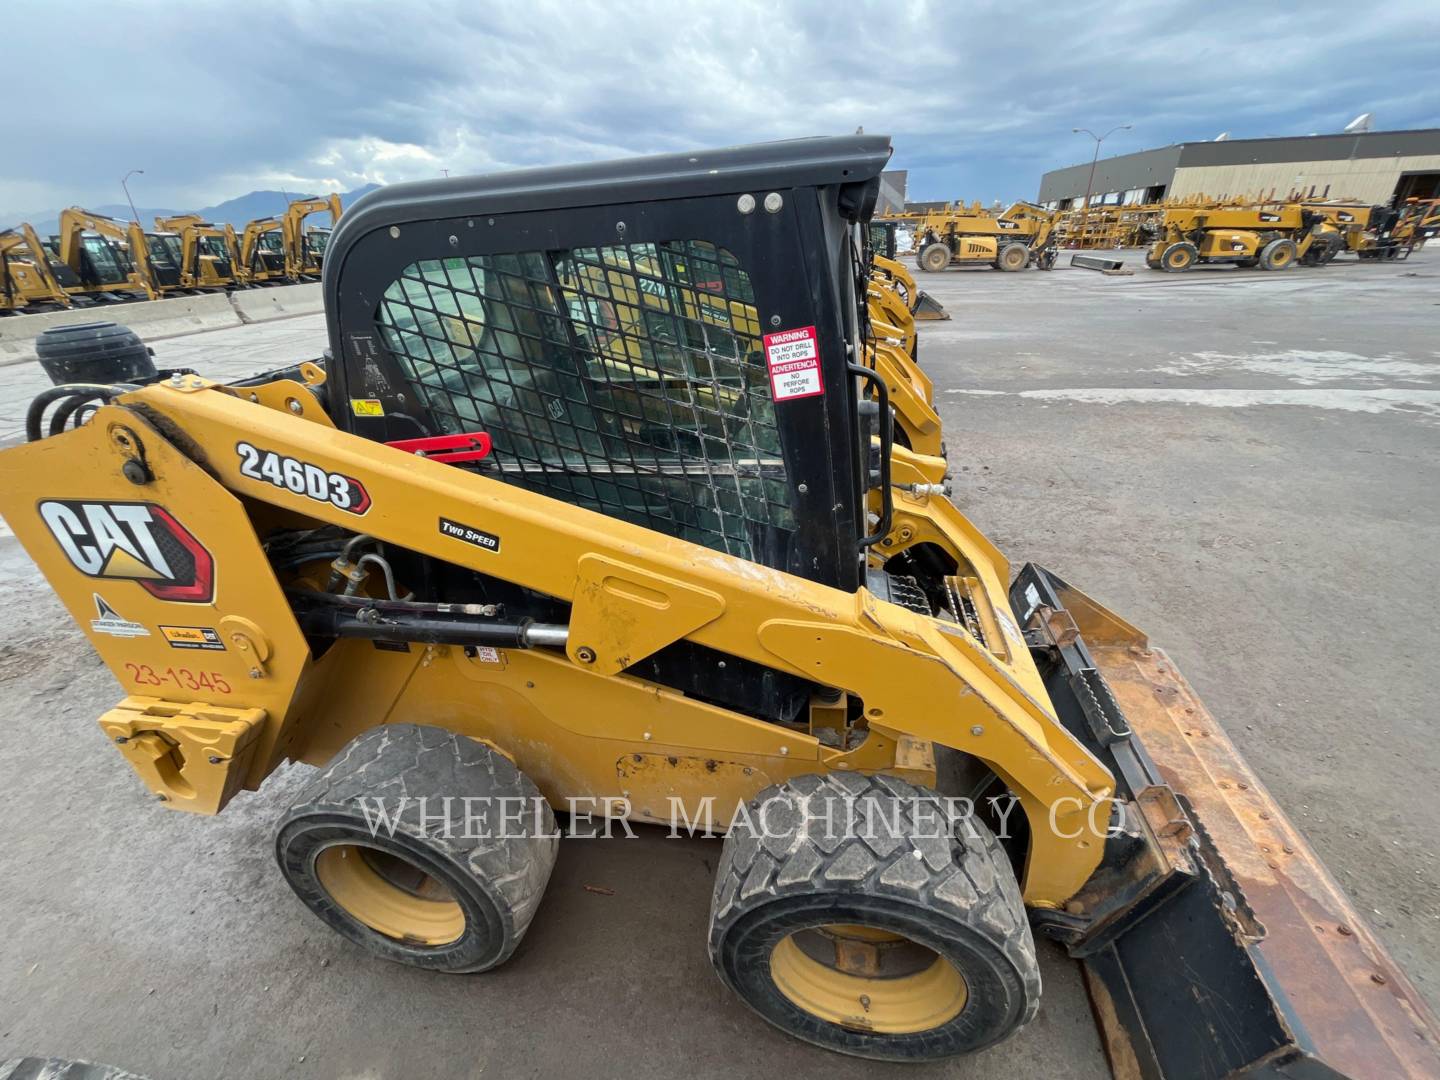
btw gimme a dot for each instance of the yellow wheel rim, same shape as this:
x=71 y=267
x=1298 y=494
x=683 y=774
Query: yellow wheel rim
x=1179 y=260
x=391 y=896
x=1280 y=258
x=867 y=979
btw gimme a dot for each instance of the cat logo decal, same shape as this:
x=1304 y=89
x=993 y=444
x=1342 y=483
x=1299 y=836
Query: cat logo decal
x=132 y=541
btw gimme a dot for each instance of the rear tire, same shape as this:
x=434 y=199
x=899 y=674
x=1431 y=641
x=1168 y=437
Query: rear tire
x=934 y=258
x=1013 y=258
x=896 y=939
x=1278 y=254
x=452 y=887
x=1179 y=257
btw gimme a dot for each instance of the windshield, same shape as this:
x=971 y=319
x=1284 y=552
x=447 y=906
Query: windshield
x=164 y=249
x=105 y=261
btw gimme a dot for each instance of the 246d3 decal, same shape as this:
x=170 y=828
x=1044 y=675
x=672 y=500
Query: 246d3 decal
x=302 y=478
x=132 y=541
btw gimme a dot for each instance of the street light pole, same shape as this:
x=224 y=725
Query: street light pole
x=133 y=172
x=1090 y=183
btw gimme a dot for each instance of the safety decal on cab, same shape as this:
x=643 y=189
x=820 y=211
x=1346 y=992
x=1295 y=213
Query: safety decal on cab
x=301 y=478
x=132 y=541
x=367 y=407
x=793 y=357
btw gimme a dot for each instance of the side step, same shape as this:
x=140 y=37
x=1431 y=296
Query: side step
x=1215 y=942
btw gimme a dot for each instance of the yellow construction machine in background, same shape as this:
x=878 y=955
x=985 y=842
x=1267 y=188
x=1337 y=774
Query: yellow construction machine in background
x=30 y=274
x=305 y=245
x=209 y=253
x=111 y=256
x=284 y=248
x=1269 y=237
x=1024 y=235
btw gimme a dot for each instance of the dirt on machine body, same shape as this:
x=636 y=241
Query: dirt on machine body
x=647 y=521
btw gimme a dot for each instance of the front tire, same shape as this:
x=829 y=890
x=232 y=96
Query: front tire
x=934 y=258
x=1013 y=258
x=1179 y=257
x=1278 y=254
x=454 y=885
x=895 y=932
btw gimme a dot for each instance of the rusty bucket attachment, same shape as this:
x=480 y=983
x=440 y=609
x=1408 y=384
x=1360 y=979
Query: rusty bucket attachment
x=1214 y=941
x=928 y=309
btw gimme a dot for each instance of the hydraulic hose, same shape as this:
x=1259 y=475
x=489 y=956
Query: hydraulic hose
x=81 y=392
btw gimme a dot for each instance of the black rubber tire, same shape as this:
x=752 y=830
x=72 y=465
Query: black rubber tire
x=1278 y=255
x=498 y=881
x=952 y=891
x=94 y=352
x=933 y=258
x=1012 y=258
x=1179 y=257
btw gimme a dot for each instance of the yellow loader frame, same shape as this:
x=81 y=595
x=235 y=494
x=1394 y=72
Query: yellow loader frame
x=626 y=740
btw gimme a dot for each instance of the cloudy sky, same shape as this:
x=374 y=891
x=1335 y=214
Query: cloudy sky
x=215 y=99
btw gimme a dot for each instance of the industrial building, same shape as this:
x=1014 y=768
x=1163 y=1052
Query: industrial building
x=1371 y=166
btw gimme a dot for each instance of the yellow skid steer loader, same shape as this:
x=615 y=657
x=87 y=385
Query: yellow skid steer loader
x=514 y=551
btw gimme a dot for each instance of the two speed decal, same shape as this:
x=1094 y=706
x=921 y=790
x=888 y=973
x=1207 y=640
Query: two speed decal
x=301 y=478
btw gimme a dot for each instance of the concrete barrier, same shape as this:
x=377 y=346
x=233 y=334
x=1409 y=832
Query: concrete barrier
x=151 y=319
x=175 y=316
x=279 y=302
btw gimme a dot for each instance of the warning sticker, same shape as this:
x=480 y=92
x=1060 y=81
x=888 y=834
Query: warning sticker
x=793 y=357
x=193 y=637
x=367 y=407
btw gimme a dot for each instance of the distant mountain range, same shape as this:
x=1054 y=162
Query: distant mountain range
x=237 y=211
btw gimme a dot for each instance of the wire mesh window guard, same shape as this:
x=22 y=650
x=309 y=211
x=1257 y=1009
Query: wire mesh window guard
x=627 y=379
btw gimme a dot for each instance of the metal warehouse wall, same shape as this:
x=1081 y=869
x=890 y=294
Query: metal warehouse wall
x=1364 y=165
x=1370 y=180
x=1145 y=169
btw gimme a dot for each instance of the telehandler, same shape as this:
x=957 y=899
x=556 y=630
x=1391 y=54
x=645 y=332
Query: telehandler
x=209 y=253
x=1271 y=237
x=1024 y=235
x=474 y=558
x=30 y=275
x=1373 y=233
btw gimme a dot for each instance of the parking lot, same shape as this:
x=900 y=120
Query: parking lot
x=1244 y=464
